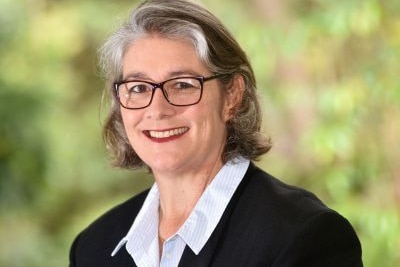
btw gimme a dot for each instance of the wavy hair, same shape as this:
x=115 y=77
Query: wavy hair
x=215 y=47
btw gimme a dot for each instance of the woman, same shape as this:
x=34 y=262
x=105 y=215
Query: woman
x=184 y=105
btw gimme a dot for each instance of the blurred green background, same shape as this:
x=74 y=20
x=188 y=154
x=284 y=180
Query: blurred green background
x=328 y=72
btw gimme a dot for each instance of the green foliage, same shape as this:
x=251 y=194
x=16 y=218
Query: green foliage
x=327 y=72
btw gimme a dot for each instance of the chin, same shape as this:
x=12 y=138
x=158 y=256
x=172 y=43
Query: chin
x=161 y=167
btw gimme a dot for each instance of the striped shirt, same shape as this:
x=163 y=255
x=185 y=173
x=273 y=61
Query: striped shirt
x=141 y=241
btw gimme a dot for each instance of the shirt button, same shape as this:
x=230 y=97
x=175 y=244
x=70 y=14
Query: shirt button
x=168 y=255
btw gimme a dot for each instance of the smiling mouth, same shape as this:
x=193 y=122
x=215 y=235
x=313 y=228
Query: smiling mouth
x=167 y=133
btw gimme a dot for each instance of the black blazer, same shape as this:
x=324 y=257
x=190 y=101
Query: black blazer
x=266 y=223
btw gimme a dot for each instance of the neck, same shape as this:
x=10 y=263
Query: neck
x=179 y=195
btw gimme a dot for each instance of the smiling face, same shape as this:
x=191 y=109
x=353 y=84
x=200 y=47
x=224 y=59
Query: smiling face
x=171 y=139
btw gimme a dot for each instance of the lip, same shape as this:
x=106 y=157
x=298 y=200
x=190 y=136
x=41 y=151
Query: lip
x=161 y=136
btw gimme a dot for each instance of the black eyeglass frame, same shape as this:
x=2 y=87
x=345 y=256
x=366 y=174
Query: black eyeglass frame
x=160 y=85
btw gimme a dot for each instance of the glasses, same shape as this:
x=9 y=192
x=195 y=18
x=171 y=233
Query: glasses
x=180 y=91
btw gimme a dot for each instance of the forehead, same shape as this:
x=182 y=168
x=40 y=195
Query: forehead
x=159 y=58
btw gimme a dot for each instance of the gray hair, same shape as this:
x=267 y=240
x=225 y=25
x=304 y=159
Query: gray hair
x=215 y=47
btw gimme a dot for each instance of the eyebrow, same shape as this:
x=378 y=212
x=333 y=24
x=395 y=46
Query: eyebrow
x=135 y=75
x=170 y=75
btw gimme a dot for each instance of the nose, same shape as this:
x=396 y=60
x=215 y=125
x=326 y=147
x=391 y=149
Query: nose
x=159 y=106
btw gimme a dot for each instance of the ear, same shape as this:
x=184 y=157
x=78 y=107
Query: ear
x=233 y=97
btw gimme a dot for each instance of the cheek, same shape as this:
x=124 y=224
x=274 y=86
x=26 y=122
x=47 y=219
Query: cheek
x=130 y=119
x=214 y=116
x=125 y=119
x=223 y=110
x=215 y=105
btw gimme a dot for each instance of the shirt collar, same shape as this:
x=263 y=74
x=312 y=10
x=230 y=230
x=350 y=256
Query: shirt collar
x=142 y=238
x=208 y=211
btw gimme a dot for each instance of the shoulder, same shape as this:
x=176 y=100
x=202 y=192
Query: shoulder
x=279 y=199
x=270 y=205
x=283 y=219
x=97 y=241
x=121 y=216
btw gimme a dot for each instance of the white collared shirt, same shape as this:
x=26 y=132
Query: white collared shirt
x=142 y=239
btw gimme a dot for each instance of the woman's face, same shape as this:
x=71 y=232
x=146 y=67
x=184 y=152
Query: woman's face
x=171 y=139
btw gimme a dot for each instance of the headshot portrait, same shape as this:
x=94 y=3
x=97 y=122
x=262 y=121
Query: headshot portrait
x=185 y=106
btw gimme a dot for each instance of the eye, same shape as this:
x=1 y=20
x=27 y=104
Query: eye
x=138 y=88
x=184 y=84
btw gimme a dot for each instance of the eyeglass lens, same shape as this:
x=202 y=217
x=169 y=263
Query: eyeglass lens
x=179 y=91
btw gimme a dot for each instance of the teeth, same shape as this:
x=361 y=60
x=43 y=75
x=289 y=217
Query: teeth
x=169 y=133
